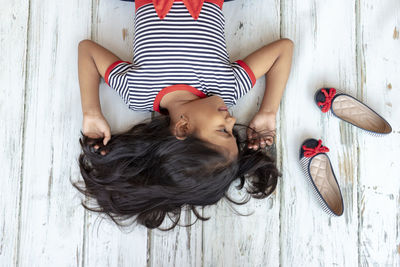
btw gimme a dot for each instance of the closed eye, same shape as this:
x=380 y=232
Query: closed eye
x=225 y=131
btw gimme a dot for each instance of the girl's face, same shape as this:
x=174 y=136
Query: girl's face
x=210 y=121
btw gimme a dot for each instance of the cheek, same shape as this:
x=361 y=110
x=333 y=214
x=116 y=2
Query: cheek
x=207 y=113
x=210 y=113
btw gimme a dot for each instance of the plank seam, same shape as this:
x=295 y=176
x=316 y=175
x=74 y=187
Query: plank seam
x=202 y=238
x=84 y=237
x=28 y=22
x=279 y=152
x=148 y=250
x=85 y=212
x=94 y=29
x=359 y=87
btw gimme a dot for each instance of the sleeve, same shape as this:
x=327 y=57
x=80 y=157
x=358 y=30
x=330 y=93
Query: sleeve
x=245 y=79
x=116 y=77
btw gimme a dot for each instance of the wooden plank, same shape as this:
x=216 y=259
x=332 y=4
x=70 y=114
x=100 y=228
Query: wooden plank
x=324 y=37
x=51 y=222
x=13 y=32
x=105 y=243
x=230 y=239
x=181 y=246
x=113 y=28
x=379 y=196
x=52 y=227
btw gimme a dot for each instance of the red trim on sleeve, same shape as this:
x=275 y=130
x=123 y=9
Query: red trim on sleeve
x=172 y=88
x=248 y=70
x=110 y=68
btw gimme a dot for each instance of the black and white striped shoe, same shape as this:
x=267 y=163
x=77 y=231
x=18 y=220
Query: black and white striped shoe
x=318 y=169
x=351 y=110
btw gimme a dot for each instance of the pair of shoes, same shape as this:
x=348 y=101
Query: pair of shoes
x=315 y=162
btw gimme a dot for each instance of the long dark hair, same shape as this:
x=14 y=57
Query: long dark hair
x=147 y=173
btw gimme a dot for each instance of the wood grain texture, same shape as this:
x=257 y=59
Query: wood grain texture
x=181 y=246
x=325 y=56
x=379 y=198
x=197 y=246
x=13 y=42
x=230 y=239
x=51 y=224
x=351 y=45
x=105 y=243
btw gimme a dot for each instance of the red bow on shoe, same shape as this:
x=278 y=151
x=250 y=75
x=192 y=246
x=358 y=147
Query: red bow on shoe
x=328 y=99
x=162 y=7
x=310 y=152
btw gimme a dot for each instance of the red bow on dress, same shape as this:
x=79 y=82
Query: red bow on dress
x=162 y=7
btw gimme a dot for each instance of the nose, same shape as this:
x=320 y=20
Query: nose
x=231 y=120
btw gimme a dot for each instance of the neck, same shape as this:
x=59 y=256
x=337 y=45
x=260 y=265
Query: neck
x=176 y=104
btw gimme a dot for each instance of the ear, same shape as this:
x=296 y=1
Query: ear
x=182 y=129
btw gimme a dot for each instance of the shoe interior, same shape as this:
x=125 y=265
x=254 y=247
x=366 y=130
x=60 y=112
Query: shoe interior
x=355 y=112
x=322 y=175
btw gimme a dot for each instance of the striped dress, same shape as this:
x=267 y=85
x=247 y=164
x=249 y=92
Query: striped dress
x=179 y=52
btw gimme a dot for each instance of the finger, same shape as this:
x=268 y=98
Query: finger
x=259 y=142
x=251 y=135
x=248 y=133
x=250 y=145
x=252 y=138
x=250 y=142
x=103 y=153
x=90 y=134
x=96 y=147
x=250 y=129
x=270 y=140
x=255 y=146
x=255 y=134
x=262 y=143
x=265 y=141
x=106 y=138
x=253 y=143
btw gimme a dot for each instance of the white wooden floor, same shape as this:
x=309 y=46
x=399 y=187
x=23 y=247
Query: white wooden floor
x=353 y=45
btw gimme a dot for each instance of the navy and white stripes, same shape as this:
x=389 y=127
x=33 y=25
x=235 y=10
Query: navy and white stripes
x=305 y=163
x=305 y=166
x=179 y=50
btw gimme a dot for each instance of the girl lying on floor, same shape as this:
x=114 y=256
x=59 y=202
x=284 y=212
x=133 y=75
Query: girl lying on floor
x=190 y=155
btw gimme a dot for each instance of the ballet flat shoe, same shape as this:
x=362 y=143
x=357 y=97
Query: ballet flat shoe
x=318 y=169
x=351 y=110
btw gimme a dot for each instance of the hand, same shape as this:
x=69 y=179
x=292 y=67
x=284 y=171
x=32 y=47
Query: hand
x=264 y=124
x=96 y=126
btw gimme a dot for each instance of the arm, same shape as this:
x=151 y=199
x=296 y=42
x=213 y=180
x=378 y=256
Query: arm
x=273 y=60
x=93 y=61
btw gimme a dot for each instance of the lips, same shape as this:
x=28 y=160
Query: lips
x=223 y=109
